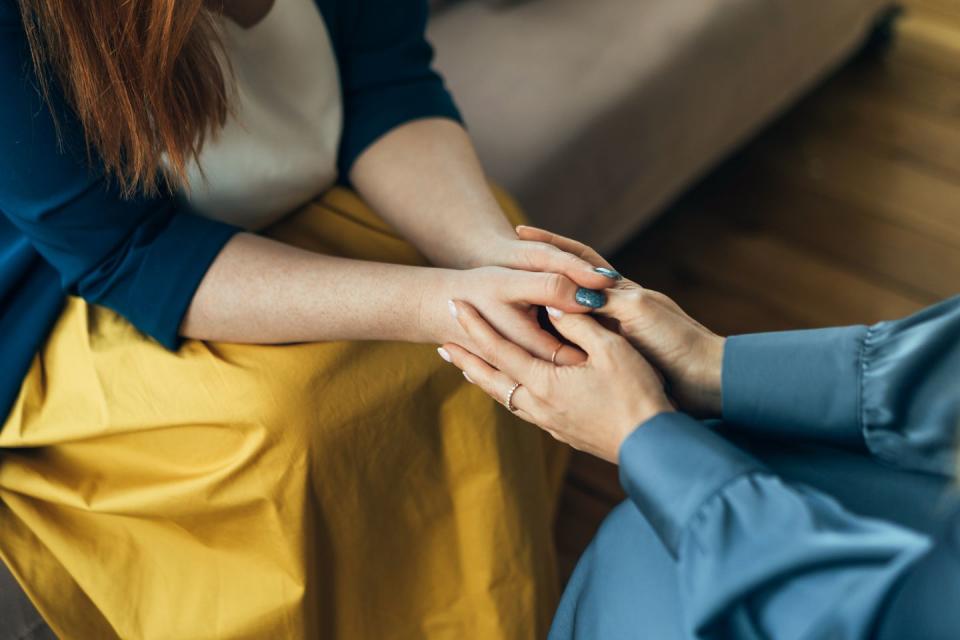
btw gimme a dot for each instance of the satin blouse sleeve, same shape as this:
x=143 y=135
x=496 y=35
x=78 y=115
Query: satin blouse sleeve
x=891 y=387
x=758 y=558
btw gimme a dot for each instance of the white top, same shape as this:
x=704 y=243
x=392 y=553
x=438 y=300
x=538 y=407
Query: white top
x=278 y=148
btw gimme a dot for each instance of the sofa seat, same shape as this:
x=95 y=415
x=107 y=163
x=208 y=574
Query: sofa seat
x=596 y=114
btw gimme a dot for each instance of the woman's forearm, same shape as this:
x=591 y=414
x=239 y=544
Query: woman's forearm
x=425 y=179
x=259 y=290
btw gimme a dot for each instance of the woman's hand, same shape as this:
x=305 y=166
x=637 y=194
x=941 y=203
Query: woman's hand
x=592 y=406
x=424 y=178
x=531 y=255
x=688 y=354
x=509 y=299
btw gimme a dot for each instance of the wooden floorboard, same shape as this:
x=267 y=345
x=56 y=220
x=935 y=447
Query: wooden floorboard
x=845 y=211
x=918 y=85
x=927 y=37
x=918 y=265
x=886 y=127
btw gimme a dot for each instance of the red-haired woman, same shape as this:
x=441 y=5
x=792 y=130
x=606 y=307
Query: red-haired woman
x=202 y=438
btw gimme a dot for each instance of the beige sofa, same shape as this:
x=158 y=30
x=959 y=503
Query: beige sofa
x=596 y=113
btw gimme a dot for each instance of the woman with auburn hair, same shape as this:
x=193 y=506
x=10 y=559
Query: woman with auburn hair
x=202 y=436
x=714 y=544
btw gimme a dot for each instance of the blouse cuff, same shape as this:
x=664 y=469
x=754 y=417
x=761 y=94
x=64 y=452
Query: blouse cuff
x=796 y=383
x=655 y=470
x=909 y=406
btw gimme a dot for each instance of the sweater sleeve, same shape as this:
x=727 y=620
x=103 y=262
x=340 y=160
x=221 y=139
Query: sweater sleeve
x=891 y=387
x=385 y=71
x=756 y=557
x=142 y=257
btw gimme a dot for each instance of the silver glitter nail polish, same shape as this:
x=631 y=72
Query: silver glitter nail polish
x=609 y=273
x=590 y=298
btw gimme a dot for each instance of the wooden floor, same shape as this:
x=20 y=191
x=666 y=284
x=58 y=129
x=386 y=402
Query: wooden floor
x=847 y=210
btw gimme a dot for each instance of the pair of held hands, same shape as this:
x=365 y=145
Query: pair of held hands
x=615 y=373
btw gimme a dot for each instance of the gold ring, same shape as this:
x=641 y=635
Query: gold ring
x=510 y=393
x=556 y=352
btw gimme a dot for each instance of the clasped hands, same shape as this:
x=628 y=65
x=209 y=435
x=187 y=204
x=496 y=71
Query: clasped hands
x=638 y=355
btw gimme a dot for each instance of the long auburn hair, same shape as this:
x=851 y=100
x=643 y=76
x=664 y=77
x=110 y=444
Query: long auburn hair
x=145 y=78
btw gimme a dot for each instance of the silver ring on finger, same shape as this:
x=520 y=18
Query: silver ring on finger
x=509 y=400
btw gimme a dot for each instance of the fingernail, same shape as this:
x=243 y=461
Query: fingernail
x=444 y=354
x=452 y=307
x=469 y=379
x=554 y=313
x=609 y=273
x=590 y=298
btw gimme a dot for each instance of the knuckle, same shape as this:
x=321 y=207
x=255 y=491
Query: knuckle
x=610 y=343
x=532 y=256
x=556 y=257
x=555 y=285
x=548 y=249
x=535 y=254
x=636 y=297
x=489 y=354
x=546 y=387
x=480 y=345
x=660 y=298
x=607 y=340
x=483 y=381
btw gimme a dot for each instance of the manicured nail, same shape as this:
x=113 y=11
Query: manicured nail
x=554 y=313
x=469 y=379
x=590 y=298
x=609 y=273
x=444 y=354
x=452 y=307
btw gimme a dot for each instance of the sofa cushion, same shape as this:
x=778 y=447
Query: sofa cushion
x=595 y=114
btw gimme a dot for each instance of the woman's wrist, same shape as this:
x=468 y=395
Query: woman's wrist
x=712 y=376
x=480 y=248
x=650 y=411
x=433 y=323
x=641 y=419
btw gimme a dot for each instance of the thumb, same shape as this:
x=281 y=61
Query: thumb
x=585 y=332
x=553 y=290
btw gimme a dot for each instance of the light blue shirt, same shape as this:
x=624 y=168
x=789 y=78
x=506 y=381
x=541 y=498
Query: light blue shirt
x=714 y=544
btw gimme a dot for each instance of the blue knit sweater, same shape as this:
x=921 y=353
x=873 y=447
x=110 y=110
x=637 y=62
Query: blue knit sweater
x=65 y=229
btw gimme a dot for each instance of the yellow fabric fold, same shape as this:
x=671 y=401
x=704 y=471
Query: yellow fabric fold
x=323 y=490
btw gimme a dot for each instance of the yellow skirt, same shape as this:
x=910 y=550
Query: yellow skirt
x=324 y=490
